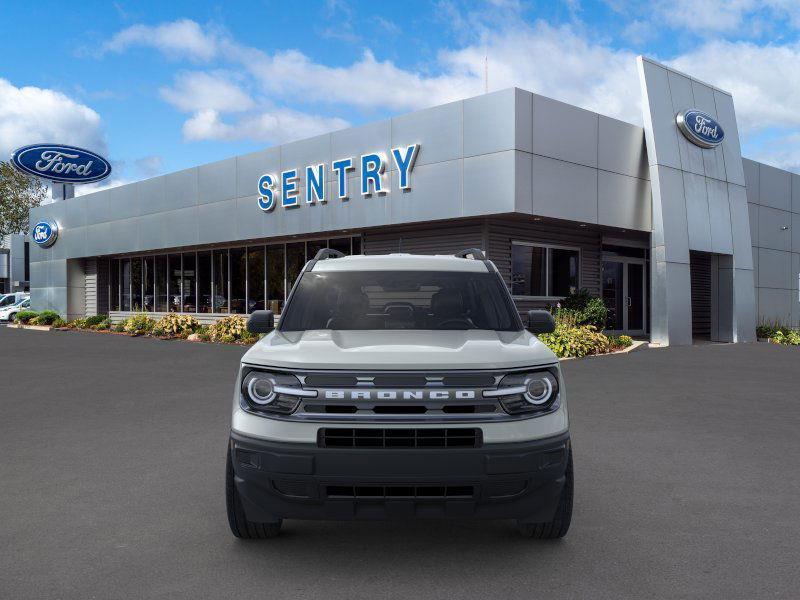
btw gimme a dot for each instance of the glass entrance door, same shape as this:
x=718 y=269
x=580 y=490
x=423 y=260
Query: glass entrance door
x=625 y=294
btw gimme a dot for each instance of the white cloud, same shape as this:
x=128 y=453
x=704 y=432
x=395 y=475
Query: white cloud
x=150 y=166
x=764 y=80
x=30 y=114
x=198 y=90
x=278 y=125
x=181 y=38
x=562 y=62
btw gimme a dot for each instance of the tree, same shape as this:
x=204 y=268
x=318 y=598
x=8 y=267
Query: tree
x=18 y=194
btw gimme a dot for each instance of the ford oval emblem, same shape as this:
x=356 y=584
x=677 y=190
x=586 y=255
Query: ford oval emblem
x=44 y=233
x=65 y=164
x=700 y=128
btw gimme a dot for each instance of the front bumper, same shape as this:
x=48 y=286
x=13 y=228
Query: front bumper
x=496 y=481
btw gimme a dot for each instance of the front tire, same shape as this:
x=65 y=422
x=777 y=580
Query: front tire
x=558 y=527
x=240 y=526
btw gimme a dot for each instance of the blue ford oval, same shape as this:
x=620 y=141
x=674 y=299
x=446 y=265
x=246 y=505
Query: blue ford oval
x=65 y=164
x=44 y=233
x=700 y=128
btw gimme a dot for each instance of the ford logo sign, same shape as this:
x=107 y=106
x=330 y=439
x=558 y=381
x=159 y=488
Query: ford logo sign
x=44 y=233
x=700 y=128
x=65 y=164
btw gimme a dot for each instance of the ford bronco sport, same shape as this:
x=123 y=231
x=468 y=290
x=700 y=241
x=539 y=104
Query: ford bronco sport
x=399 y=386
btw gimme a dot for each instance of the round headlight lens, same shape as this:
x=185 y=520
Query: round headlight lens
x=260 y=389
x=538 y=389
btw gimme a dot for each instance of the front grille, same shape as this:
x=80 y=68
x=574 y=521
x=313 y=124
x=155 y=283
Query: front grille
x=400 y=438
x=385 y=492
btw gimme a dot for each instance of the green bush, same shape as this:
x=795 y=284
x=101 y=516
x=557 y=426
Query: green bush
x=789 y=337
x=88 y=322
x=204 y=333
x=59 y=322
x=620 y=341
x=103 y=325
x=25 y=316
x=46 y=317
x=576 y=342
x=768 y=329
x=138 y=324
x=587 y=309
x=231 y=329
x=119 y=327
x=176 y=325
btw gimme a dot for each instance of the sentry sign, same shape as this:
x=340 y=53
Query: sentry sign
x=700 y=128
x=285 y=188
x=64 y=164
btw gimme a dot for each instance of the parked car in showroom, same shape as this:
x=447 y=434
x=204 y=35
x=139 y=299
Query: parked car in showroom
x=8 y=312
x=399 y=386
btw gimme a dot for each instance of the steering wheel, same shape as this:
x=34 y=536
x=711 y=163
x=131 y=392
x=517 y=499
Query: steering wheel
x=455 y=321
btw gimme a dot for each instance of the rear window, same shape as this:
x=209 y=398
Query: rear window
x=424 y=300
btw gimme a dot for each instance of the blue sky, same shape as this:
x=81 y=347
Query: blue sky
x=159 y=86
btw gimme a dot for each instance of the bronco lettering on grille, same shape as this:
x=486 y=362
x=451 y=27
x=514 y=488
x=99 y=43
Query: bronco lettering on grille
x=400 y=394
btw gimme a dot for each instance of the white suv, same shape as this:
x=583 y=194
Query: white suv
x=8 y=312
x=399 y=386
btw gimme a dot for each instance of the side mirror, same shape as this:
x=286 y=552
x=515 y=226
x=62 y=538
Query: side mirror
x=261 y=321
x=541 y=321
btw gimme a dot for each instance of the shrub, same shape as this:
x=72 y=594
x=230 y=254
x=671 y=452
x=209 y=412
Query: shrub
x=103 y=325
x=25 y=316
x=46 y=317
x=587 y=309
x=789 y=337
x=119 y=327
x=768 y=329
x=138 y=324
x=620 y=341
x=59 y=322
x=203 y=333
x=231 y=329
x=175 y=324
x=576 y=342
x=87 y=322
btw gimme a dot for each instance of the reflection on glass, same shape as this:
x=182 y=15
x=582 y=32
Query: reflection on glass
x=315 y=246
x=275 y=278
x=340 y=244
x=255 y=278
x=113 y=292
x=219 y=292
x=528 y=270
x=204 y=282
x=174 y=283
x=147 y=283
x=612 y=295
x=161 y=283
x=136 y=284
x=126 y=284
x=563 y=272
x=238 y=280
x=189 y=277
x=295 y=259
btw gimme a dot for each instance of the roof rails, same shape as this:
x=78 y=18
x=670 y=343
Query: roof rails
x=474 y=253
x=328 y=253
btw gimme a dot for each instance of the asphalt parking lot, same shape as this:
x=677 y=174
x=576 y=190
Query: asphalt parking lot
x=687 y=465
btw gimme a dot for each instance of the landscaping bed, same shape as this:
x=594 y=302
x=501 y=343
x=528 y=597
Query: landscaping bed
x=778 y=333
x=228 y=330
x=579 y=318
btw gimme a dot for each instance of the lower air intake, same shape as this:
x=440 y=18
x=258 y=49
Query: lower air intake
x=400 y=438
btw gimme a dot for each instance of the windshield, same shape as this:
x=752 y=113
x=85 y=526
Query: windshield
x=429 y=300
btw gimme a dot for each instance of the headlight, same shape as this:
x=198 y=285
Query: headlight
x=535 y=391
x=271 y=392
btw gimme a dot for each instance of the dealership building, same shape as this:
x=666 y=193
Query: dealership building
x=681 y=236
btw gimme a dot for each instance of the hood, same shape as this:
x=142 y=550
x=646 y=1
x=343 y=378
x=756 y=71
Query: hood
x=401 y=350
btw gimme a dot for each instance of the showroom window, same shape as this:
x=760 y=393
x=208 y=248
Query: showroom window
x=544 y=271
x=236 y=280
